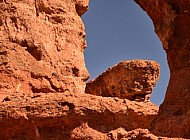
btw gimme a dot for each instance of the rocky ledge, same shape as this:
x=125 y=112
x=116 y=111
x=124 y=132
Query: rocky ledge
x=70 y=116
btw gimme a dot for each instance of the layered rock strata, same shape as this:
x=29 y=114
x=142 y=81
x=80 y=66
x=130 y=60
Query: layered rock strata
x=133 y=80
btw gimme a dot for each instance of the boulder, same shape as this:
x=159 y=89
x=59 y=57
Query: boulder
x=133 y=80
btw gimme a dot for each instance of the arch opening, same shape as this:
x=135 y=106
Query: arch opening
x=119 y=31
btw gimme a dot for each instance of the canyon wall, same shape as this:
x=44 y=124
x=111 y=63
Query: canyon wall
x=43 y=74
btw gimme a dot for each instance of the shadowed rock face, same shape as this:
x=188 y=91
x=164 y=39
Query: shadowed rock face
x=41 y=55
x=133 y=80
x=171 y=19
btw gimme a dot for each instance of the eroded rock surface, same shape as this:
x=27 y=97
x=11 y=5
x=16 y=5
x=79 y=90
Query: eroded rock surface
x=117 y=134
x=61 y=116
x=41 y=55
x=42 y=45
x=171 y=19
x=133 y=80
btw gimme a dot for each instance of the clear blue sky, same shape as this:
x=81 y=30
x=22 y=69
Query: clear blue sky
x=121 y=30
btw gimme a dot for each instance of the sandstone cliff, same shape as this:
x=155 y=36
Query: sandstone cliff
x=42 y=76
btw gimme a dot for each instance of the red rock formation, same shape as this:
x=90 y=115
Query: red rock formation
x=41 y=55
x=171 y=19
x=133 y=80
x=42 y=45
x=61 y=116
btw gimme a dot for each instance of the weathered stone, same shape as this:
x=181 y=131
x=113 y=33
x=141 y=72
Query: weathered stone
x=42 y=45
x=41 y=51
x=171 y=19
x=58 y=116
x=85 y=132
x=132 y=80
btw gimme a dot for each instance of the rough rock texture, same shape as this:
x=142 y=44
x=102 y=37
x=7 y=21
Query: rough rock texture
x=133 y=80
x=84 y=132
x=64 y=116
x=42 y=44
x=171 y=19
x=41 y=55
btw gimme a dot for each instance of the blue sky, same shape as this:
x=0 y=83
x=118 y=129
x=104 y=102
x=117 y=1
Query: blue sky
x=121 y=30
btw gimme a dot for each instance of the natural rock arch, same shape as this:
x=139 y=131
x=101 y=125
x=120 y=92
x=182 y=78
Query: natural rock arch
x=171 y=20
x=40 y=97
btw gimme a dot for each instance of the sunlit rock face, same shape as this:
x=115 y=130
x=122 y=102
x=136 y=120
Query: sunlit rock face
x=133 y=80
x=43 y=74
x=42 y=45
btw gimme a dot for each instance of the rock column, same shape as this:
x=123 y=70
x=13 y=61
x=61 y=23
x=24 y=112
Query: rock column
x=171 y=19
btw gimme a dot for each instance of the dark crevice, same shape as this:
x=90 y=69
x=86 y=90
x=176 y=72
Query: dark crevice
x=35 y=52
x=41 y=90
x=54 y=87
x=75 y=71
x=36 y=7
x=1 y=20
x=14 y=20
x=138 y=97
x=175 y=7
x=80 y=9
x=6 y=99
x=70 y=105
x=179 y=112
x=32 y=49
x=29 y=46
x=57 y=19
x=3 y=53
x=38 y=75
x=85 y=78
